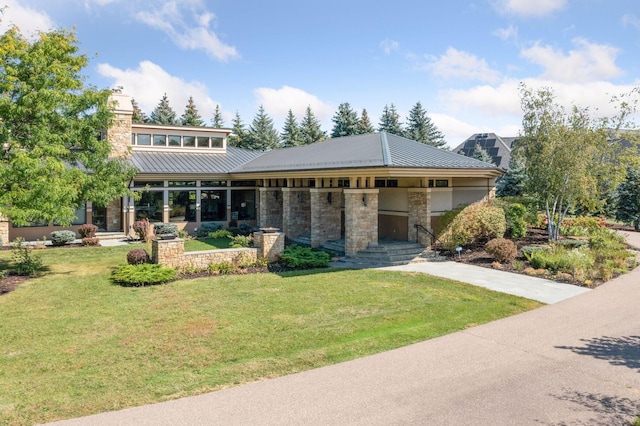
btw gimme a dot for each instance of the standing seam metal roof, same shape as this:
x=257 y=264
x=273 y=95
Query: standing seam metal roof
x=162 y=162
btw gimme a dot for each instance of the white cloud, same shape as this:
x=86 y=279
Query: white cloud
x=529 y=8
x=189 y=34
x=458 y=64
x=632 y=20
x=588 y=62
x=149 y=82
x=29 y=20
x=278 y=102
x=389 y=46
x=456 y=131
x=506 y=34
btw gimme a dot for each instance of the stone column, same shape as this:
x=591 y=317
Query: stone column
x=4 y=230
x=296 y=212
x=419 y=214
x=270 y=245
x=169 y=253
x=361 y=219
x=119 y=134
x=326 y=206
x=114 y=216
x=270 y=208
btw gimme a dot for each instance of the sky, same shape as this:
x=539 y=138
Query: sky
x=463 y=60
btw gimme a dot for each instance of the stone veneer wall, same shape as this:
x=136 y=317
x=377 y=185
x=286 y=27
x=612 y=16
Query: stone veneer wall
x=270 y=208
x=361 y=219
x=325 y=215
x=119 y=134
x=4 y=230
x=170 y=253
x=114 y=216
x=419 y=213
x=296 y=212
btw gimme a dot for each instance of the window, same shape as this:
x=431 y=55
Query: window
x=182 y=183
x=159 y=140
x=216 y=142
x=213 y=183
x=150 y=183
x=189 y=141
x=81 y=215
x=203 y=142
x=243 y=183
x=144 y=139
x=243 y=205
x=182 y=206
x=442 y=183
x=150 y=206
x=381 y=183
x=174 y=140
x=213 y=205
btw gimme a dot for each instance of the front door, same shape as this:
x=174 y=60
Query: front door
x=99 y=217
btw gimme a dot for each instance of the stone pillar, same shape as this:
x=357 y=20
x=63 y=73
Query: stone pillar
x=169 y=253
x=119 y=134
x=114 y=216
x=270 y=245
x=296 y=212
x=270 y=208
x=419 y=214
x=326 y=206
x=361 y=219
x=4 y=230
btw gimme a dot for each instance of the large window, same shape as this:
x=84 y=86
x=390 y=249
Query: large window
x=243 y=205
x=213 y=205
x=150 y=206
x=182 y=206
x=159 y=140
x=174 y=140
x=144 y=139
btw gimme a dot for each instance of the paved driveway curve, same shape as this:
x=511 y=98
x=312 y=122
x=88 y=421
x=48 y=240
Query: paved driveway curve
x=574 y=362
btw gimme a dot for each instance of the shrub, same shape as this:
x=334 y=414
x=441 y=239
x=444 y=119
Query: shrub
x=183 y=234
x=25 y=263
x=90 y=241
x=221 y=233
x=222 y=268
x=516 y=222
x=142 y=275
x=245 y=229
x=530 y=204
x=241 y=241
x=60 y=238
x=165 y=228
x=87 y=230
x=295 y=256
x=244 y=260
x=206 y=228
x=527 y=250
x=143 y=229
x=502 y=250
x=445 y=219
x=137 y=257
x=571 y=244
x=1 y=242
x=477 y=223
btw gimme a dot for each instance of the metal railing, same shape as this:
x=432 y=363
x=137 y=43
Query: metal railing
x=422 y=228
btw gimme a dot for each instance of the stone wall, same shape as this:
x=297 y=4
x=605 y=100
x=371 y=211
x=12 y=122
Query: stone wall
x=326 y=207
x=4 y=230
x=270 y=245
x=114 y=216
x=419 y=214
x=270 y=208
x=296 y=212
x=119 y=134
x=361 y=219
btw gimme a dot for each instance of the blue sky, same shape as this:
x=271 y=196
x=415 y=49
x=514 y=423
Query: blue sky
x=462 y=59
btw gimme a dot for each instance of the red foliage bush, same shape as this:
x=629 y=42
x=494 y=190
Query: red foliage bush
x=87 y=230
x=137 y=257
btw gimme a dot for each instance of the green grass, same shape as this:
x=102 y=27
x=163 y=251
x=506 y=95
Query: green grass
x=75 y=344
x=207 y=243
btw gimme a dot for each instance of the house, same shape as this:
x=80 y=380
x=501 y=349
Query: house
x=360 y=188
x=499 y=148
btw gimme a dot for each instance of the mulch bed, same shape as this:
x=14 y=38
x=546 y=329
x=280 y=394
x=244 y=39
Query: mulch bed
x=8 y=283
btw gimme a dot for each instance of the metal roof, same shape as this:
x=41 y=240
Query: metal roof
x=163 y=162
x=369 y=150
x=499 y=148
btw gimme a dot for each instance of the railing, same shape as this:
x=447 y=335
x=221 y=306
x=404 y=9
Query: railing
x=422 y=228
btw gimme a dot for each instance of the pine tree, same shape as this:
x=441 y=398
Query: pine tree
x=310 y=128
x=364 y=124
x=479 y=153
x=628 y=199
x=138 y=115
x=217 y=121
x=390 y=121
x=291 y=134
x=191 y=117
x=512 y=183
x=163 y=113
x=420 y=128
x=262 y=135
x=238 y=137
x=345 y=121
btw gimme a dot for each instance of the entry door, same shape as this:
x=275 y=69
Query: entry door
x=99 y=217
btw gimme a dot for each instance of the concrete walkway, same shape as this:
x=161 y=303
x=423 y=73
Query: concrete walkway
x=575 y=362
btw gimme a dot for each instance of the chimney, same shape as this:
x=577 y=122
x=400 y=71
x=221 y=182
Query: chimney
x=119 y=134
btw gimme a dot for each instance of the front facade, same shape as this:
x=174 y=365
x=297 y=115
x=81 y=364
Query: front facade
x=360 y=188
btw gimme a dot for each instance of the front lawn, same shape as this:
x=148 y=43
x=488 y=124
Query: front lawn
x=75 y=344
x=207 y=243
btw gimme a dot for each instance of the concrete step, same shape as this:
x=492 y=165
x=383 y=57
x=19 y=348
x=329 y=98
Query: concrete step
x=111 y=235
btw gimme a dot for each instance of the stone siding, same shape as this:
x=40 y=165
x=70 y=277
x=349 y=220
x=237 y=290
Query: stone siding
x=296 y=212
x=119 y=134
x=4 y=230
x=270 y=245
x=419 y=214
x=361 y=219
x=270 y=208
x=326 y=217
x=114 y=216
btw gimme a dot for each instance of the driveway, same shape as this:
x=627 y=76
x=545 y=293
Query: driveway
x=576 y=362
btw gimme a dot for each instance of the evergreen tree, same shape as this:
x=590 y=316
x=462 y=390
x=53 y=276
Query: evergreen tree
x=310 y=128
x=479 y=153
x=512 y=183
x=191 y=117
x=420 y=128
x=217 y=121
x=345 y=121
x=291 y=134
x=364 y=124
x=238 y=137
x=628 y=199
x=138 y=115
x=390 y=121
x=262 y=136
x=163 y=113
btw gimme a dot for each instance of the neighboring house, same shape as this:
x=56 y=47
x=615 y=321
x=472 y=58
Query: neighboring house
x=360 y=188
x=497 y=147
